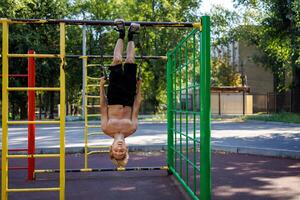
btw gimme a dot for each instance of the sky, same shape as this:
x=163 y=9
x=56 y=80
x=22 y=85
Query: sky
x=207 y=4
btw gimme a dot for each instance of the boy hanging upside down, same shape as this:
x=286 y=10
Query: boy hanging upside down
x=119 y=112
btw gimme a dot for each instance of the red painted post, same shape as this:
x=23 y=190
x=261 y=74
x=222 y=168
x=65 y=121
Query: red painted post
x=31 y=116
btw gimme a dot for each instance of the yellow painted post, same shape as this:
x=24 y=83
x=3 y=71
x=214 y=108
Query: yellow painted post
x=85 y=115
x=62 y=111
x=5 y=45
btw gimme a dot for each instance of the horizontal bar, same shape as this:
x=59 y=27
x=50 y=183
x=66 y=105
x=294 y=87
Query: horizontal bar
x=35 y=156
x=97 y=147
x=93 y=106
x=100 y=22
x=16 y=75
x=93 y=65
x=95 y=133
x=14 y=150
x=91 y=96
x=34 y=55
x=93 y=78
x=33 y=89
x=93 y=126
x=94 y=152
x=111 y=56
x=102 y=169
x=33 y=189
x=93 y=85
x=93 y=115
x=32 y=122
x=84 y=56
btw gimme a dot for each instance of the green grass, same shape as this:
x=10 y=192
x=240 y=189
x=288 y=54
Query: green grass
x=276 y=117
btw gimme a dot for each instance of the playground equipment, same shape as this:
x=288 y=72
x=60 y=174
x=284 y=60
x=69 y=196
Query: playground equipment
x=31 y=116
x=188 y=74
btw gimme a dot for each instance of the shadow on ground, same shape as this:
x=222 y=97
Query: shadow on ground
x=235 y=177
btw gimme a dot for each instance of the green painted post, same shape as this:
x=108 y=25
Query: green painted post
x=170 y=102
x=205 y=148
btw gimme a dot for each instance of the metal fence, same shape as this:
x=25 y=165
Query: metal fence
x=277 y=102
x=188 y=74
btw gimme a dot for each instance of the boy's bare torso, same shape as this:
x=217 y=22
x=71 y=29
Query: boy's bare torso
x=119 y=121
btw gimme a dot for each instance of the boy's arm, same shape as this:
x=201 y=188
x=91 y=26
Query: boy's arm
x=137 y=104
x=103 y=104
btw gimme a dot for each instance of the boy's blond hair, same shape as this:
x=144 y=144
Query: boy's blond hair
x=119 y=162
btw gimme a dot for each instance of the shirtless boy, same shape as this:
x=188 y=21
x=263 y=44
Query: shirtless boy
x=119 y=111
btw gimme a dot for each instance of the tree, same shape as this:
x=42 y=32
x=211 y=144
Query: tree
x=277 y=36
x=224 y=24
x=156 y=41
x=42 y=39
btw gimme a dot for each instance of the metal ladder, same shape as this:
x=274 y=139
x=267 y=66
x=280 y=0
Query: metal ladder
x=87 y=126
x=6 y=122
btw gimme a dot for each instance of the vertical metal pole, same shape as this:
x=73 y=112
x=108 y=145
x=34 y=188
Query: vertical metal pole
x=186 y=113
x=219 y=95
x=205 y=148
x=268 y=101
x=4 y=172
x=244 y=101
x=83 y=69
x=84 y=60
x=31 y=116
x=170 y=93
x=62 y=111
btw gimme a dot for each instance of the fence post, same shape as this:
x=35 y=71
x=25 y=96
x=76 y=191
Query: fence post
x=170 y=112
x=205 y=148
x=219 y=95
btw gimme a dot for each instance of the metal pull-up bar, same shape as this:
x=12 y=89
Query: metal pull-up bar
x=101 y=22
x=111 y=56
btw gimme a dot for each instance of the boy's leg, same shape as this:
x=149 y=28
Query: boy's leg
x=133 y=29
x=130 y=57
x=117 y=59
x=130 y=68
x=115 y=90
x=118 y=51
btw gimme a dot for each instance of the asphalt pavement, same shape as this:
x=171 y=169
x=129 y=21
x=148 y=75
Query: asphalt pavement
x=254 y=137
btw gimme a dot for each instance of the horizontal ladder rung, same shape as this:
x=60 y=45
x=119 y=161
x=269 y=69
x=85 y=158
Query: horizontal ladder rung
x=97 y=147
x=35 y=156
x=33 y=88
x=103 y=169
x=92 y=106
x=91 y=96
x=94 y=65
x=34 y=55
x=94 y=152
x=93 y=115
x=93 y=126
x=95 y=133
x=93 y=85
x=34 y=189
x=32 y=122
x=93 y=78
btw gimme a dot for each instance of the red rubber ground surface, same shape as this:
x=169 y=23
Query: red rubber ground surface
x=235 y=177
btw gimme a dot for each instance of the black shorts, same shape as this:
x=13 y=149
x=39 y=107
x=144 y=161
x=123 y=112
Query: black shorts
x=122 y=84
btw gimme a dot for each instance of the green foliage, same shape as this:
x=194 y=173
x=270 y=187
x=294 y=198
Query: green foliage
x=224 y=23
x=223 y=73
x=277 y=36
x=100 y=41
x=42 y=39
x=151 y=41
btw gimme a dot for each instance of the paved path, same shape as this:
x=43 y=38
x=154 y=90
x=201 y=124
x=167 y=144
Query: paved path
x=234 y=177
x=254 y=134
